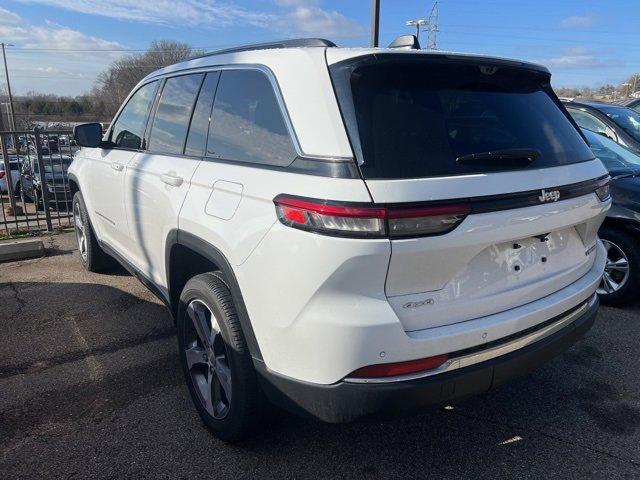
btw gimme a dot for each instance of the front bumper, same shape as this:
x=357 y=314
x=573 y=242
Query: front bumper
x=347 y=401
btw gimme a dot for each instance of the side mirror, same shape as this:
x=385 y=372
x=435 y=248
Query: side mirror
x=88 y=134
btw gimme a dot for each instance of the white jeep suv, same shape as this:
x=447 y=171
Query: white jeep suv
x=347 y=231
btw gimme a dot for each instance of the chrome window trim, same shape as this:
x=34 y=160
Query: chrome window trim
x=490 y=353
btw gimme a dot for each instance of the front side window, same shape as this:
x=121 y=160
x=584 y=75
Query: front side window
x=171 y=120
x=128 y=129
x=246 y=123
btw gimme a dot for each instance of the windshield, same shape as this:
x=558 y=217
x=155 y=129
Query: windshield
x=617 y=159
x=422 y=118
x=627 y=119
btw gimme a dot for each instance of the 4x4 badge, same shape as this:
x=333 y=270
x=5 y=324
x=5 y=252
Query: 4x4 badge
x=552 y=196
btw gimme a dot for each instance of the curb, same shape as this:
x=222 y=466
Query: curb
x=21 y=249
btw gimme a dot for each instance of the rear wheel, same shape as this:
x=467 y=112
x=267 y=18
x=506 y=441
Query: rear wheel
x=93 y=258
x=215 y=359
x=621 y=278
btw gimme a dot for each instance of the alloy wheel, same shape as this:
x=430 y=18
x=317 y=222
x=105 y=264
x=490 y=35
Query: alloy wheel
x=207 y=360
x=616 y=270
x=81 y=234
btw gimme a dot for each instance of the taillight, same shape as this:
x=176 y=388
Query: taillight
x=2 y=174
x=382 y=370
x=366 y=220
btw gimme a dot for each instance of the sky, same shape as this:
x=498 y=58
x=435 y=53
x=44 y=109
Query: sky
x=60 y=46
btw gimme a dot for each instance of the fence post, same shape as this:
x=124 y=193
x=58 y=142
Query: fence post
x=7 y=174
x=44 y=190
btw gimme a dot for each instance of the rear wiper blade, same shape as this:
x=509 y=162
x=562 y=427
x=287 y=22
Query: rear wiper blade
x=514 y=156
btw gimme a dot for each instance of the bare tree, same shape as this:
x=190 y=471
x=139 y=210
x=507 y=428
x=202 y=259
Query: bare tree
x=114 y=84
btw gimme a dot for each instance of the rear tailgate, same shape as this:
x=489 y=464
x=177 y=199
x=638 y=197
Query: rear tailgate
x=417 y=124
x=497 y=258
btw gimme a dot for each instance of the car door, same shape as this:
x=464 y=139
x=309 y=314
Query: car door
x=158 y=179
x=105 y=178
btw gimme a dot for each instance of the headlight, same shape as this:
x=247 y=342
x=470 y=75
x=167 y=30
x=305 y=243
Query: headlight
x=603 y=189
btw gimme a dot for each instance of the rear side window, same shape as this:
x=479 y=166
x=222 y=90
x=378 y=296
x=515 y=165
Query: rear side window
x=197 y=138
x=246 y=123
x=588 y=121
x=416 y=119
x=128 y=129
x=171 y=121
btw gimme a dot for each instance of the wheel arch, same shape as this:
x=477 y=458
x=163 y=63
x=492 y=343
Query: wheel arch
x=74 y=185
x=186 y=256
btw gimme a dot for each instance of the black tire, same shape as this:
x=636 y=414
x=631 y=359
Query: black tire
x=95 y=259
x=628 y=244
x=245 y=406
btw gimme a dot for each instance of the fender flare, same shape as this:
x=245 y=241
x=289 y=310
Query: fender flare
x=213 y=254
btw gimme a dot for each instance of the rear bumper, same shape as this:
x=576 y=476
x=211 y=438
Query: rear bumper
x=345 y=401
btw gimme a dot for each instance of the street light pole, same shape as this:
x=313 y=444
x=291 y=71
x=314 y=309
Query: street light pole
x=375 y=22
x=6 y=73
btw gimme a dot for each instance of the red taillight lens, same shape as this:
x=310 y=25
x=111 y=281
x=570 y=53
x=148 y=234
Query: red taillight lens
x=2 y=174
x=400 y=368
x=358 y=220
x=322 y=217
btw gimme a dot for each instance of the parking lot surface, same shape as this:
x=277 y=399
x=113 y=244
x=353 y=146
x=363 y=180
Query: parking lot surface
x=90 y=387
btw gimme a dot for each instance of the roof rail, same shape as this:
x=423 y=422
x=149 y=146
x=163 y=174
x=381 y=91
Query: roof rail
x=293 y=43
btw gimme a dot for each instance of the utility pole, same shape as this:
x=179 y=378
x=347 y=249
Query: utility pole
x=432 y=27
x=12 y=118
x=375 y=22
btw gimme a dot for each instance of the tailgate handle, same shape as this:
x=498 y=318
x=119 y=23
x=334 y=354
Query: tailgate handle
x=117 y=166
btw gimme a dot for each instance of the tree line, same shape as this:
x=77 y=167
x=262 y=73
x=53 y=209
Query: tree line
x=109 y=91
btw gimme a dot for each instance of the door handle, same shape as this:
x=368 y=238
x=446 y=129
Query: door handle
x=171 y=179
x=117 y=166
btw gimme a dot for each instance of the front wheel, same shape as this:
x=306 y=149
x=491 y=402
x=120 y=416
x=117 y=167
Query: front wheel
x=215 y=358
x=621 y=278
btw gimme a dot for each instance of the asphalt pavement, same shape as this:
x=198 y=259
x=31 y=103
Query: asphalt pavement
x=90 y=387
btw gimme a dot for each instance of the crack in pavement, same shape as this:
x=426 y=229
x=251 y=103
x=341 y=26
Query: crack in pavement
x=630 y=461
x=21 y=303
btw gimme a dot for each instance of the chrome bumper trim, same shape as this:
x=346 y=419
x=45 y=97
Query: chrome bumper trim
x=490 y=353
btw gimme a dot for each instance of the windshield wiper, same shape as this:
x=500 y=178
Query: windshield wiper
x=512 y=156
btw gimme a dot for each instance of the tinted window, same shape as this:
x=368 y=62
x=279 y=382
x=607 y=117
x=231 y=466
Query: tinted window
x=588 y=121
x=246 y=123
x=171 y=120
x=615 y=157
x=627 y=119
x=415 y=119
x=128 y=129
x=197 y=138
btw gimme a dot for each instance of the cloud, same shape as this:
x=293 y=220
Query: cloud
x=578 y=21
x=311 y=20
x=7 y=17
x=211 y=13
x=580 y=57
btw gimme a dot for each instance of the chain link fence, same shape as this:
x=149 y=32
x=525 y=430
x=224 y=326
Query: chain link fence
x=34 y=186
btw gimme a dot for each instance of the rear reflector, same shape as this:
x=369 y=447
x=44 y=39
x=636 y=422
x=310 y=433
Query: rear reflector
x=400 y=368
x=366 y=220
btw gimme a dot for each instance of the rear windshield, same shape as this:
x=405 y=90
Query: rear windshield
x=415 y=119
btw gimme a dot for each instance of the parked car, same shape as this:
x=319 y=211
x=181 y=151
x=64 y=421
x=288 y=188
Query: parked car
x=347 y=231
x=15 y=175
x=620 y=124
x=55 y=169
x=620 y=231
x=632 y=103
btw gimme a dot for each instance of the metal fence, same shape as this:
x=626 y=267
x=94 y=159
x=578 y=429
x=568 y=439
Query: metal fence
x=34 y=187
